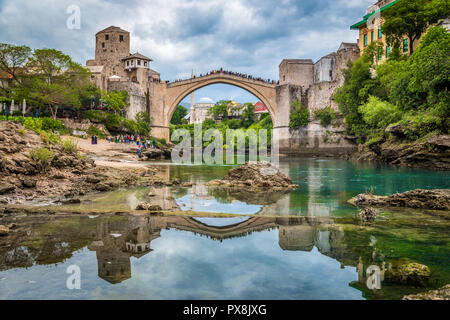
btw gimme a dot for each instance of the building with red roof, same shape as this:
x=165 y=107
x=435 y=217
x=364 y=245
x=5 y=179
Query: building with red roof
x=260 y=108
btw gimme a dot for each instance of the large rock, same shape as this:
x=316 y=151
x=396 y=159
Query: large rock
x=4 y=230
x=148 y=207
x=6 y=188
x=432 y=153
x=256 y=175
x=438 y=199
x=439 y=294
x=409 y=273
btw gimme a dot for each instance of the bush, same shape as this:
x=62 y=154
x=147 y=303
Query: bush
x=379 y=114
x=42 y=157
x=44 y=137
x=326 y=115
x=69 y=146
x=299 y=116
x=93 y=130
x=49 y=124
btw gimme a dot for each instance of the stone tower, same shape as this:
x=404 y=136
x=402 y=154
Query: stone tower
x=111 y=46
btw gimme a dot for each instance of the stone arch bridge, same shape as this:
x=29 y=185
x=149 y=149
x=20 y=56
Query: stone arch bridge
x=165 y=97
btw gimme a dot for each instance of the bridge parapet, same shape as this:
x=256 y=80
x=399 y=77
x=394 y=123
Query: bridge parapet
x=220 y=75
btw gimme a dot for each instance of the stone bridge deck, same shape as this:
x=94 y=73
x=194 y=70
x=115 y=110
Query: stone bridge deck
x=220 y=76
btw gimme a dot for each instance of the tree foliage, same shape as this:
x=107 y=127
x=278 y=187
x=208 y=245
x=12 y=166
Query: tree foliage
x=299 y=116
x=411 y=18
x=411 y=91
x=178 y=115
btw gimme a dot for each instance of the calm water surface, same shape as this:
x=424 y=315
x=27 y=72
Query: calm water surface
x=321 y=253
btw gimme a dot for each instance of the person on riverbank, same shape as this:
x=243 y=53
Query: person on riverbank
x=139 y=152
x=154 y=144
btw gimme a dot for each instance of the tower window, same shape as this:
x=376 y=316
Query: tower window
x=380 y=34
x=145 y=63
x=139 y=62
x=107 y=37
x=365 y=40
x=371 y=37
x=121 y=38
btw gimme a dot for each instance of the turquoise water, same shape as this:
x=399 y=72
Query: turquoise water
x=322 y=253
x=325 y=186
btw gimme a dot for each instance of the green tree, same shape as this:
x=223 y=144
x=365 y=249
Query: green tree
x=411 y=18
x=248 y=115
x=115 y=101
x=13 y=59
x=299 y=115
x=178 y=115
x=220 y=109
x=55 y=80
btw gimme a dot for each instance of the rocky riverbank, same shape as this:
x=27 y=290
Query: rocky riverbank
x=438 y=199
x=255 y=176
x=439 y=294
x=34 y=170
x=430 y=153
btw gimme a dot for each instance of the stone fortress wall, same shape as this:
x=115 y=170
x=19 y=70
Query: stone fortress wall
x=314 y=86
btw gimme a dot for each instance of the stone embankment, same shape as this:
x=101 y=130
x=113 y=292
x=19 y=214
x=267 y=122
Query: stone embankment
x=57 y=174
x=437 y=199
x=430 y=153
x=255 y=176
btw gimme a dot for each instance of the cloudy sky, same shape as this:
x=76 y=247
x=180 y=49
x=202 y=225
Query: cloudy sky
x=248 y=36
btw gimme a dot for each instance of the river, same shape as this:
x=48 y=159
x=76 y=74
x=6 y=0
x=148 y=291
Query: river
x=306 y=244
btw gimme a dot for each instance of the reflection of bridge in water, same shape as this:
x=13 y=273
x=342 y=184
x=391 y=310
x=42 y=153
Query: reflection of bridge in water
x=117 y=241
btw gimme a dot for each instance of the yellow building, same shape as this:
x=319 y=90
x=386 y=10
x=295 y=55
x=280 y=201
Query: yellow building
x=370 y=30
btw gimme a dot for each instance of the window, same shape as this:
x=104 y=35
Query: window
x=388 y=51
x=380 y=53
x=128 y=63
x=103 y=44
x=107 y=37
x=365 y=40
x=371 y=36
x=145 y=63
x=121 y=38
x=380 y=34
x=405 y=45
x=139 y=62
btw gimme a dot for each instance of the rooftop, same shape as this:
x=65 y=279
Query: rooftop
x=368 y=15
x=112 y=29
x=138 y=56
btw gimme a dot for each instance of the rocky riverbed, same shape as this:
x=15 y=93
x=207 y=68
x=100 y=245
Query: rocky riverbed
x=438 y=199
x=59 y=174
x=255 y=176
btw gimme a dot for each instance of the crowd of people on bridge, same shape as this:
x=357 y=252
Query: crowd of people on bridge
x=236 y=74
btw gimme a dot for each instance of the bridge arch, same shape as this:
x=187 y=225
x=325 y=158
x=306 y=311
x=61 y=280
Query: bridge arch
x=176 y=92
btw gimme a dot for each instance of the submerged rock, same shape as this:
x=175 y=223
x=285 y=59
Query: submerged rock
x=439 y=294
x=368 y=214
x=148 y=207
x=256 y=175
x=412 y=273
x=437 y=199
